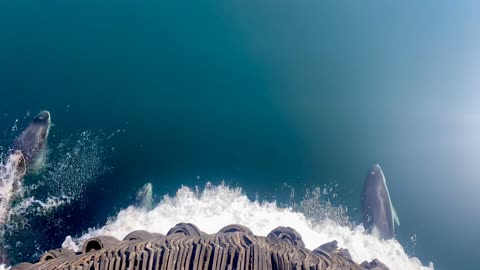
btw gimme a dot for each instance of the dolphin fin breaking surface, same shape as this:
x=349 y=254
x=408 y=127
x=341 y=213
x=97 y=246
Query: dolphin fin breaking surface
x=395 y=216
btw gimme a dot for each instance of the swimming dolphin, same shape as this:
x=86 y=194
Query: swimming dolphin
x=27 y=149
x=378 y=213
x=144 y=198
x=32 y=141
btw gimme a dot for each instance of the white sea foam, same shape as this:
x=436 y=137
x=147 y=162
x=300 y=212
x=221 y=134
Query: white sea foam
x=32 y=205
x=9 y=184
x=218 y=206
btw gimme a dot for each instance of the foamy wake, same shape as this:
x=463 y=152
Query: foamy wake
x=6 y=189
x=9 y=176
x=32 y=205
x=218 y=206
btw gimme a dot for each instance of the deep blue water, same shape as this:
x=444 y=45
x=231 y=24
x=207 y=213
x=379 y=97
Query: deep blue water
x=259 y=94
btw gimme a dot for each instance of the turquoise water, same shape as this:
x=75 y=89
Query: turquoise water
x=257 y=94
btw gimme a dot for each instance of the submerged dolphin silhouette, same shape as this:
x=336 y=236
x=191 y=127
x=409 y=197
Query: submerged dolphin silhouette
x=378 y=213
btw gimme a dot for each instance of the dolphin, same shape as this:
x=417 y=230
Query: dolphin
x=378 y=213
x=32 y=141
x=144 y=197
x=27 y=149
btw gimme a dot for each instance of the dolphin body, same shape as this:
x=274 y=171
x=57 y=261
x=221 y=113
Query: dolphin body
x=144 y=198
x=32 y=141
x=378 y=213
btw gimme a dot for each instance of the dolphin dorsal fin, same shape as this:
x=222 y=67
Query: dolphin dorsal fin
x=395 y=216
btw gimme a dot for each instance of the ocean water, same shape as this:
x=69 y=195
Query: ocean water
x=272 y=103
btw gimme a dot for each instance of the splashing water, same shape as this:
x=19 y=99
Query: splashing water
x=77 y=162
x=9 y=184
x=317 y=209
x=73 y=163
x=144 y=197
x=11 y=173
x=218 y=206
x=31 y=205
